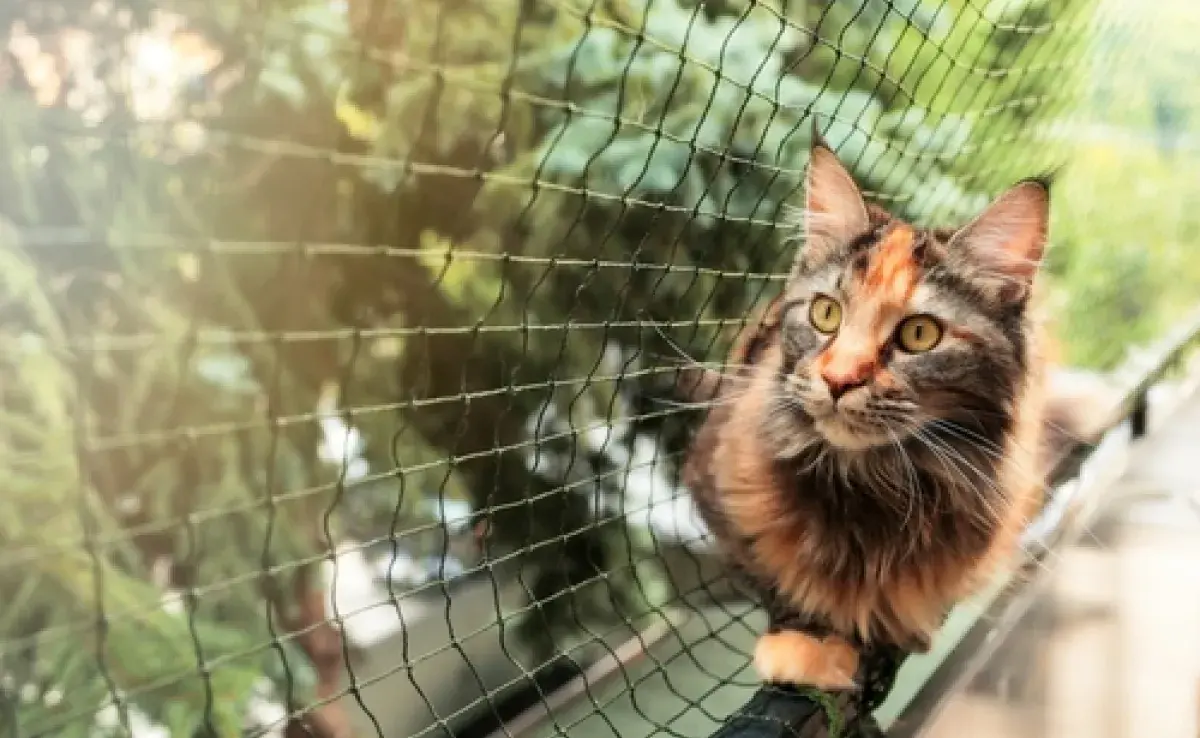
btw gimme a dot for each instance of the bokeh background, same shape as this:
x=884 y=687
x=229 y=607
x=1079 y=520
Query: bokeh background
x=402 y=289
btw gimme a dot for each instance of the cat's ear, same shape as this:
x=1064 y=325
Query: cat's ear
x=834 y=210
x=1005 y=243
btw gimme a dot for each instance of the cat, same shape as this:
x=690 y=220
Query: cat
x=876 y=445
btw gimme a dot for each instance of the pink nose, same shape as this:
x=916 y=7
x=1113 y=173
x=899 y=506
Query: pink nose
x=846 y=374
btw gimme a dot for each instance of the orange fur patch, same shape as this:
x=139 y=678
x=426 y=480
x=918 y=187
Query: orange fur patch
x=886 y=379
x=792 y=657
x=887 y=286
x=892 y=272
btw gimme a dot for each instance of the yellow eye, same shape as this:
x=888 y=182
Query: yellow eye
x=919 y=333
x=825 y=314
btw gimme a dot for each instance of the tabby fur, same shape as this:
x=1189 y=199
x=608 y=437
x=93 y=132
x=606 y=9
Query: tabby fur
x=862 y=517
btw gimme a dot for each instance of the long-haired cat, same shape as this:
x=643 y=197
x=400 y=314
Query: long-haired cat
x=877 y=448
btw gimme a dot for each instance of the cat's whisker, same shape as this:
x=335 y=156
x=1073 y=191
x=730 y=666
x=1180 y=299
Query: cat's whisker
x=693 y=405
x=688 y=361
x=1033 y=477
x=915 y=488
x=700 y=384
x=711 y=375
x=710 y=369
x=943 y=453
x=672 y=343
x=986 y=481
x=1047 y=422
x=951 y=454
x=995 y=451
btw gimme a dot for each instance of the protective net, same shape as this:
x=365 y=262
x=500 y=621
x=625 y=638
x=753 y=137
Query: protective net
x=340 y=340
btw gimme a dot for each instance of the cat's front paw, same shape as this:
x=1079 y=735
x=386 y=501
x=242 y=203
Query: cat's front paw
x=792 y=657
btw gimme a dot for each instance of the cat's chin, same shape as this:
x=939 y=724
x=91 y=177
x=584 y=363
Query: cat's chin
x=803 y=427
x=841 y=435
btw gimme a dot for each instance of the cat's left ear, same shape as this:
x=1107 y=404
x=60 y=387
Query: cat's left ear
x=1005 y=243
x=835 y=211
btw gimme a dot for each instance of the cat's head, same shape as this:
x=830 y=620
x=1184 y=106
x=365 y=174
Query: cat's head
x=887 y=327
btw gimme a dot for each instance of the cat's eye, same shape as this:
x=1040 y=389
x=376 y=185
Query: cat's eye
x=918 y=334
x=825 y=314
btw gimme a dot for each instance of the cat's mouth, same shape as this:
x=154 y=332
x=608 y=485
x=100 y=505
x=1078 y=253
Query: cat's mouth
x=845 y=431
x=849 y=423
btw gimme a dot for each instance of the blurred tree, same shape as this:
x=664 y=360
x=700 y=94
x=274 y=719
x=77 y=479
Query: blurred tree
x=486 y=224
x=159 y=572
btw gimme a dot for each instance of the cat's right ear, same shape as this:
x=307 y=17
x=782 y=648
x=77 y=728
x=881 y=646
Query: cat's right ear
x=1004 y=245
x=835 y=212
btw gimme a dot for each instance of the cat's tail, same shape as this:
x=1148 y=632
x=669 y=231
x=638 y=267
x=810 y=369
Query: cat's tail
x=1078 y=407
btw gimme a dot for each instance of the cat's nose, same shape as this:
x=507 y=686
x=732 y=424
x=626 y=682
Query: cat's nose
x=842 y=377
x=839 y=386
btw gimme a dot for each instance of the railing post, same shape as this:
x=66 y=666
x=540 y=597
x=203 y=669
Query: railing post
x=1139 y=418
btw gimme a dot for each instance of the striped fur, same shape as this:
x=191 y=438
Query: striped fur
x=867 y=516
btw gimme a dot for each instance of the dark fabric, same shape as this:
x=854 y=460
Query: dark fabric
x=774 y=712
x=782 y=711
x=877 y=670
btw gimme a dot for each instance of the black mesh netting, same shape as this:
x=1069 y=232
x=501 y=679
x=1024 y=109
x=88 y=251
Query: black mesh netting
x=339 y=338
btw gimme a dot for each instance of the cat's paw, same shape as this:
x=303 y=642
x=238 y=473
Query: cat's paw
x=792 y=657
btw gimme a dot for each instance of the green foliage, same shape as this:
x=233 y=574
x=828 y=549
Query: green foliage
x=66 y=561
x=1122 y=258
x=476 y=230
